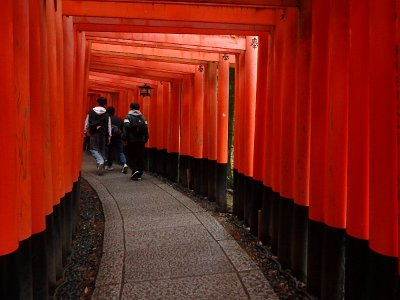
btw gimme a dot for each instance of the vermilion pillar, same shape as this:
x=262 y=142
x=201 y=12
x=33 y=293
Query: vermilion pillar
x=22 y=96
x=23 y=136
x=287 y=141
x=357 y=219
x=318 y=143
x=185 y=117
x=248 y=121
x=196 y=124
x=259 y=133
x=68 y=44
x=38 y=195
x=173 y=131
x=159 y=125
x=266 y=224
x=9 y=231
x=211 y=130
x=276 y=153
x=238 y=193
x=383 y=182
x=162 y=155
x=8 y=214
x=334 y=213
x=302 y=144
x=222 y=130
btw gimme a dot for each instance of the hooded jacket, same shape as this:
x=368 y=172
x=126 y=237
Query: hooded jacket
x=128 y=121
x=105 y=130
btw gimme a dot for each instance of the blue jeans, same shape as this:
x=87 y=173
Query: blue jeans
x=115 y=145
x=97 y=146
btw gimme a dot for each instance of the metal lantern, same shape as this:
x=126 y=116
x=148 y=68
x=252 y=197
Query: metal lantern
x=145 y=90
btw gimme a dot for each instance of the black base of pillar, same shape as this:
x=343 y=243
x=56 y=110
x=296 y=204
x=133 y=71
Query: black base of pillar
x=299 y=242
x=212 y=180
x=239 y=196
x=383 y=279
x=172 y=166
x=183 y=170
x=221 y=188
x=24 y=267
x=266 y=212
x=152 y=160
x=315 y=234
x=39 y=266
x=356 y=279
x=256 y=202
x=333 y=262
x=146 y=159
x=235 y=204
x=9 y=276
x=197 y=170
x=204 y=175
x=285 y=222
x=275 y=222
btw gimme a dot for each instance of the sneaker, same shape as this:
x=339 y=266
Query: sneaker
x=125 y=169
x=109 y=168
x=135 y=175
x=100 y=169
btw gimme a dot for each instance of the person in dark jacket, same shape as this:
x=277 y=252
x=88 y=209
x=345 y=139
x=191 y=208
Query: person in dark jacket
x=135 y=135
x=98 y=127
x=116 y=142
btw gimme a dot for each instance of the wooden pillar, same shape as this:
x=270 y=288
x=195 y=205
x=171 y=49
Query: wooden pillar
x=383 y=182
x=173 y=131
x=8 y=210
x=302 y=145
x=318 y=143
x=222 y=131
x=212 y=107
x=259 y=133
x=289 y=20
x=184 y=147
x=357 y=218
x=196 y=124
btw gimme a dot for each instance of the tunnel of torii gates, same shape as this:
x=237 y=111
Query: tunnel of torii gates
x=316 y=114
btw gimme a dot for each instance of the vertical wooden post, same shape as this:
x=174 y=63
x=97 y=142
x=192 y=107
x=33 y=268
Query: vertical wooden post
x=318 y=144
x=357 y=219
x=222 y=131
x=383 y=182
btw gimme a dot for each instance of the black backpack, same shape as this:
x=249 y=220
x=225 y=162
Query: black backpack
x=138 y=126
x=98 y=123
x=115 y=131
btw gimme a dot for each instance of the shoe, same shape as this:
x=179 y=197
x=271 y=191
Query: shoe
x=135 y=175
x=100 y=169
x=125 y=169
x=109 y=168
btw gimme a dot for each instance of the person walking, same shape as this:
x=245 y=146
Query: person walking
x=98 y=127
x=135 y=135
x=116 y=143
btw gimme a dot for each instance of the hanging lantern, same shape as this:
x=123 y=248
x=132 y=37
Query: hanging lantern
x=145 y=90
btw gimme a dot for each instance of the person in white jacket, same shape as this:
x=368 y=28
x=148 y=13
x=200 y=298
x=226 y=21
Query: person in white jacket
x=98 y=127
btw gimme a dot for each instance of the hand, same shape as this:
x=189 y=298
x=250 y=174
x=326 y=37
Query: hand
x=109 y=140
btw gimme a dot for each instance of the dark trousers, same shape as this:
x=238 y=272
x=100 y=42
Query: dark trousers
x=115 y=145
x=135 y=156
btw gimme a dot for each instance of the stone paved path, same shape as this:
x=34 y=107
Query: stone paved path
x=159 y=244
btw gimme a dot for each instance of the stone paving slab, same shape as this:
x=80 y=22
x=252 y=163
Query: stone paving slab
x=217 y=286
x=160 y=244
x=165 y=237
x=153 y=222
x=198 y=258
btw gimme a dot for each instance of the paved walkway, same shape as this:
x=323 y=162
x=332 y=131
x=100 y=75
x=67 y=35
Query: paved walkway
x=159 y=244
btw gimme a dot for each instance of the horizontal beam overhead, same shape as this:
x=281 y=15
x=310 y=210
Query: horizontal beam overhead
x=170 y=11
x=221 y=43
